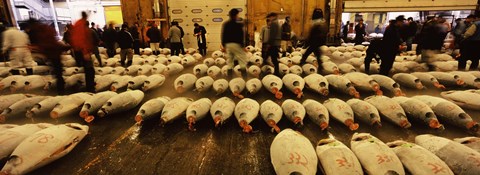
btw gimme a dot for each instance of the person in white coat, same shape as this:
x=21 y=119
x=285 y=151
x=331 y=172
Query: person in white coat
x=16 y=42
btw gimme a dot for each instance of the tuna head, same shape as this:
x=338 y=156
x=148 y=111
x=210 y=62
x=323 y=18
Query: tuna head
x=351 y=90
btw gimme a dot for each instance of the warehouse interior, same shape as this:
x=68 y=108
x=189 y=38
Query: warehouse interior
x=104 y=99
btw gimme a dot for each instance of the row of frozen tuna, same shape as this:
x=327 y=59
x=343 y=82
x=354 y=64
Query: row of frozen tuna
x=424 y=109
x=106 y=82
x=86 y=105
x=293 y=153
x=31 y=146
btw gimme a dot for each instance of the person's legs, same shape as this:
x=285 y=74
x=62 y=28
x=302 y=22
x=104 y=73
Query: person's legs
x=15 y=62
x=97 y=55
x=318 y=54
x=157 y=48
x=27 y=59
x=273 y=53
x=110 y=49
x=89 y=75
x=241 y=57
x=57 y=70
x=462 y=60
x=230 y=59
x=387 y=63
x=78 y=58
x=129 y=55
x=182 y=48
x=136 y=46
x=152 y=46
x=283 y=45
x=123 y=56
x=306 y=54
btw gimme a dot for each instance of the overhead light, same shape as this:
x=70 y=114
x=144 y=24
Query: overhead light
x=281 y=9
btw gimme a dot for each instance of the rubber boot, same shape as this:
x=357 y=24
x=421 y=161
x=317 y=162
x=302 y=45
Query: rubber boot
x=15 y=72
x=229 y=74
x=129 y=63
x=244 y=73
x=29 y=71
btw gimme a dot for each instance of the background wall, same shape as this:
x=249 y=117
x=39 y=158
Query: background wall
x=300 y=12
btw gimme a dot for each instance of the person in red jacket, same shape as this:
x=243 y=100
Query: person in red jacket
x=43 y=39
x=82 y=44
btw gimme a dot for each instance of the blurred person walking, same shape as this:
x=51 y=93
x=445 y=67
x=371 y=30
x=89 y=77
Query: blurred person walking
x=154 y=38
x=125 y=42
x=410 y=32
x=317 y=37
x=286 y=43
x=233 y=43
x=431 y=40
x=81 y=38
x=274 y=41
x=43 y=39
x=16 y=44
x=264 y=34
x=96 y=43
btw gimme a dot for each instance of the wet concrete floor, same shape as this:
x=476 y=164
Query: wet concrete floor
x=116 y=145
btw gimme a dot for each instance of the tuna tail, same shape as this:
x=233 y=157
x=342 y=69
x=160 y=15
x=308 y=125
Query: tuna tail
x=83 y=113
x=89 y=118
x=238 y=95
x=351 y=125
x=246 y=127
x=325 y=92
x=377 y=124
x=217 y=120
x=405 y=124
x=54 y=114
x=298 y=122
x=139 y=119
x=323 y=125
x=354 y=92
x=438 y=85
x=274 y=126
x=191 y=123
x=298 y=92
x=460 y=82
x=471 y=126
x=398 y=92
x=113 y=88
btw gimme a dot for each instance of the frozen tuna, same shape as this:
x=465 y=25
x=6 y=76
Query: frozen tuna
x=388 y=84
x=294 y=83
x=390 y=109
x=70 y=105
x=341 y=112
x=121 y=102
x=273 y=84
x=245 y=112
x=94 y=103
x=197 y=111
x=317 y=83
x=317 y=113
x=237 y=85
x=419 y=111
x=293 y=153
x=365 y=112
x=174 y=109
x=221 y=110
x=294 y=111
x=151 y=108
x=375 y=156
x=336 y=158
x=342 y=84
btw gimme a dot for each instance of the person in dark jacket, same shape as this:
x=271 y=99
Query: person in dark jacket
x=95 y=43
x=431 y=40
x=125 y=42
x=373 y=52
x=233 y=43
x=392 y=43
x=316 y=38
x=469 y=47
x=136 y=38
x=175 y=38
x=154 y=37
x=360 y=32
x=286 y=36
x=43 y=39
x=182 y=48
x=411 y=31
x=109 y=39
x=274 y=41
x=345 y=31
x=199 y=32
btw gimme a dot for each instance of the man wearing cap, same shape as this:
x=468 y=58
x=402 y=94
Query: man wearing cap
x=200 y=32
x=470 y=45
x=392 y=43
x=274 y=39
x=233 y=43
x=286 y=35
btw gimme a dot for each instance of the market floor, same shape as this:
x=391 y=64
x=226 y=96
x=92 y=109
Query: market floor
x=116 y=145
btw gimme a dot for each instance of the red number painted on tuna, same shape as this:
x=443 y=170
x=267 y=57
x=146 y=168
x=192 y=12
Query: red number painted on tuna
x=296 y=158
x=436 y=168
x=383 y=158
x=343 y=162
x=42 y=138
